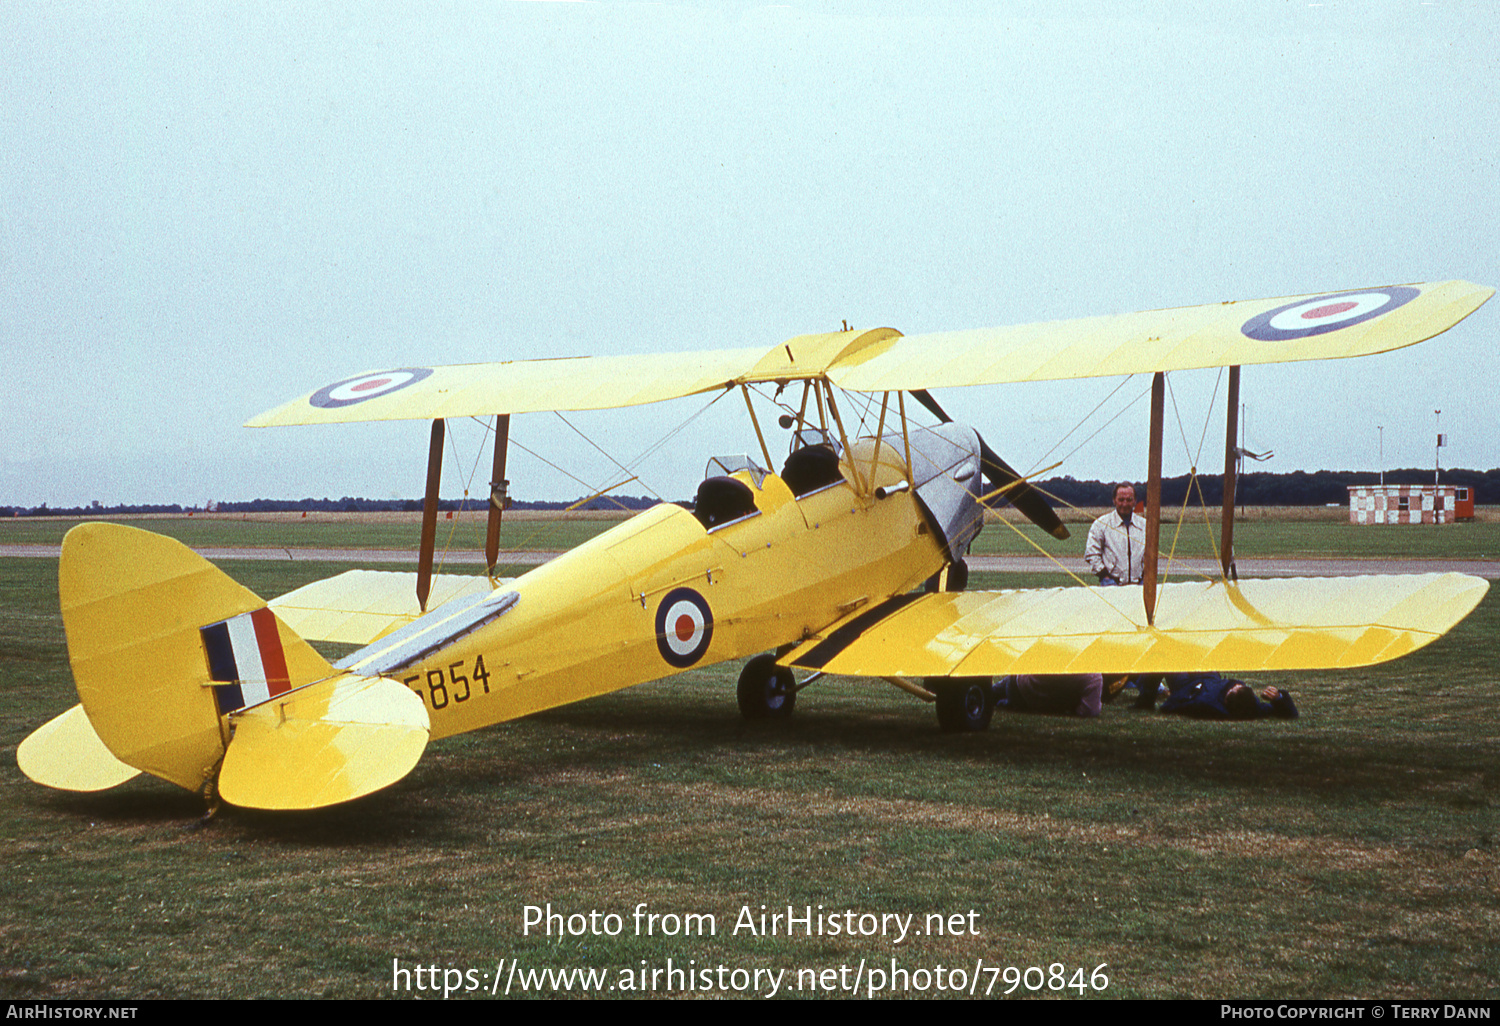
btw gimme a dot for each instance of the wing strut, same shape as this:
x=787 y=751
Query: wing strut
x=499 y=493
x=1153 y=496
x=1226 y=522
x=756 y=422
x=429 y=514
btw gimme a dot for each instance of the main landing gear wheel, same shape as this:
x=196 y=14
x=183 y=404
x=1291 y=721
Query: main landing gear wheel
x=964 y=704
x=766 y=691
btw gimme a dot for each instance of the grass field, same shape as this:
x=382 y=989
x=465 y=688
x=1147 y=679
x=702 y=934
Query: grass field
x=1353 y=852
x=465 y=532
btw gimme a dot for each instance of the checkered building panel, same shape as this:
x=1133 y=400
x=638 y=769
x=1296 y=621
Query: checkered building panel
x=1401 y=504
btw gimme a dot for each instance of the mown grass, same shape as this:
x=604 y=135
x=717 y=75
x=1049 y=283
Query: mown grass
x=1352 y=852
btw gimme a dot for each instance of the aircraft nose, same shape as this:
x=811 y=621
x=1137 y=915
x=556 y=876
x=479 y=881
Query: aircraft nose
x=1002 y=476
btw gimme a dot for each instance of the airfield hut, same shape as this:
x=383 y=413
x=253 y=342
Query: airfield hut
x=1409 y=504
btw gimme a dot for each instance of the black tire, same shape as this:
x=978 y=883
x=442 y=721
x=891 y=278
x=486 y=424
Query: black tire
x=766 y=691
x=964 y=704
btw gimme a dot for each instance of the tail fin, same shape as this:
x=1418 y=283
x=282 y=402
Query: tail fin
x=151 y=625
x=181 y=672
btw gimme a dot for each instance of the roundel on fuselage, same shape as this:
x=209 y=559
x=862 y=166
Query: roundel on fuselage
x=684 y=627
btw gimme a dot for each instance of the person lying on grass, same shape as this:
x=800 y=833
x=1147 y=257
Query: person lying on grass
x=1062 y=694
x=1213 y=696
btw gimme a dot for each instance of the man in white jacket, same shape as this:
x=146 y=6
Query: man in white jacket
x=1116 y=549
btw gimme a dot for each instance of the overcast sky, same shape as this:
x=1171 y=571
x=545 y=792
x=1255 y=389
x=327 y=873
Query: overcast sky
x=208 y=209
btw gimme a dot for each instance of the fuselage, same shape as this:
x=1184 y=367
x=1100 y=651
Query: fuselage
x=664 y=592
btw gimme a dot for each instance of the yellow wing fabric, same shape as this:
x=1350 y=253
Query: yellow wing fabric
x=166 y=649
x=133 y=605
x=361 y=606
x=520 y=386
x=1284 y=624
x=1313 y=327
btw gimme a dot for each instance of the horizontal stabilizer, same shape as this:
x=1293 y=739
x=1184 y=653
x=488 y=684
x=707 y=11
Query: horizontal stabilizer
x=67 y=754
x=329 y=742
x=1255 y=625
x=361 y=606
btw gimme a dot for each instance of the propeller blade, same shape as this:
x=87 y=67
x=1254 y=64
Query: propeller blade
x=924 y=397
x=1032 y=504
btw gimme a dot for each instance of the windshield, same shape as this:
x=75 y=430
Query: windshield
x=724 y=466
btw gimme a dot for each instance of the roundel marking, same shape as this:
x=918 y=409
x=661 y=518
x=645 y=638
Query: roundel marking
x=1322 y=314
x=366 y=386
x=684 y=627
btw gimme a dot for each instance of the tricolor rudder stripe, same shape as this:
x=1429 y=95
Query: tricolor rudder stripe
x=245 y=653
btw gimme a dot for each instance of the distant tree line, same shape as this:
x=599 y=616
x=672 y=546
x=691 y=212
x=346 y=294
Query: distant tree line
x=347 y=504
x=1298 y=488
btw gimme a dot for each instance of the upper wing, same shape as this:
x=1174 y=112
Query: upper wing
x=576 y=383
x=519 y=386
x=1315 y=327
x=1255 y=625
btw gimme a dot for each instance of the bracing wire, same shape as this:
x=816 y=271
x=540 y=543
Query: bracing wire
x=600 y=450
x=1193 y=481
x=592 y=490
x=442 y=559
x=651 y=450
x=1084 y=420
x=1099 y=592
x=1145 y=392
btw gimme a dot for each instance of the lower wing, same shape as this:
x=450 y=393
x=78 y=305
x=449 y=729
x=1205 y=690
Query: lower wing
x=1281 y=624
x=361 y=606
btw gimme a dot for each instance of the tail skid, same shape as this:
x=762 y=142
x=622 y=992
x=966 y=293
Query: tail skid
x=180 y=670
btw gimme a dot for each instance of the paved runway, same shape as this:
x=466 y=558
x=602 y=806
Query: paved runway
x=1178 y=569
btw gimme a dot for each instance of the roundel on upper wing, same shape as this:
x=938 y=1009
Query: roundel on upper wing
x=366 y=386
x=684 y=627
x=1308 y=317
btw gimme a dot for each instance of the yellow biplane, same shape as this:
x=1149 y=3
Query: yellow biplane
x=849 y=560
